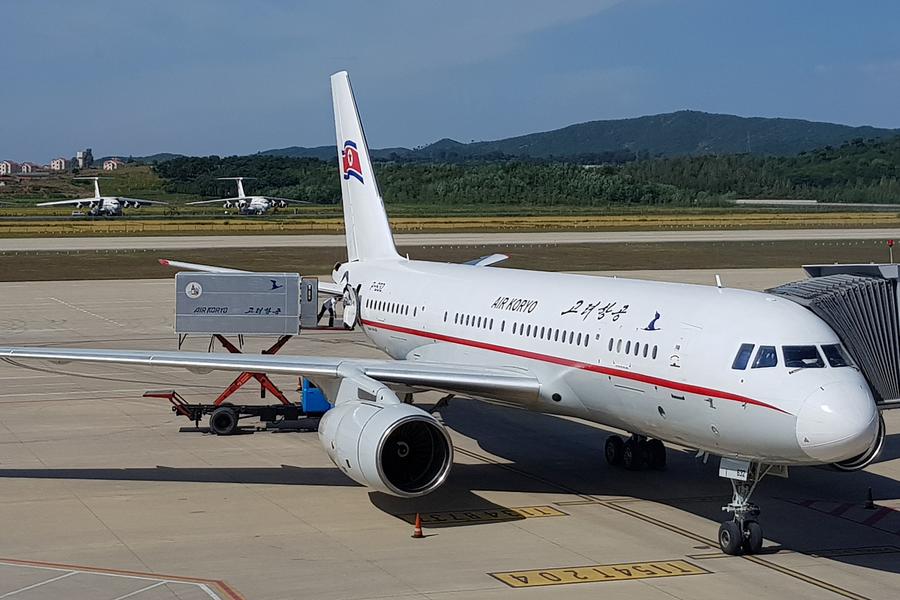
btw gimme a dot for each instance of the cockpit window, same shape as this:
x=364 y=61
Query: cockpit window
x=835 y=355
x=765 y=357
x=802 y=357
x=743 y=356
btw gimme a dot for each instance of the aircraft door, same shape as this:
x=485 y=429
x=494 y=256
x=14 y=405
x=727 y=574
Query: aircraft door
x=351 y=306
x=681 y=351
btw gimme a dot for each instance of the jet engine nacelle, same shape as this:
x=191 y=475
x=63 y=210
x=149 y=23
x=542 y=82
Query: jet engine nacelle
x=226 y=205
x=868 y=457
x=282 y=204
x=393 y=448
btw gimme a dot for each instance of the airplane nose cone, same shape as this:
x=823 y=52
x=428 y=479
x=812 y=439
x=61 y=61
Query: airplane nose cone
x=838 y=421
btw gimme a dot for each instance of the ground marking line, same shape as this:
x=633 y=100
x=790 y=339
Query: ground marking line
x=87 y=312
x=125 y=574
x=662 y=524
x=144 y=589
x=31 y=587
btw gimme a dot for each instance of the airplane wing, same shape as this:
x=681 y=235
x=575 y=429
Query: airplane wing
x=287 y=200
x=68 y=202
x=140 y=201
x=216 y=201
x=489 y=382
x=332 y=289
x=485 y=261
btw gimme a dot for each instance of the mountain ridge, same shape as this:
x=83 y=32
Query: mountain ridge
x=680 y=133
x=667 y=135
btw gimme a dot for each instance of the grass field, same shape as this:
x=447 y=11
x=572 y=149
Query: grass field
x=334 y=224
x=50 y=266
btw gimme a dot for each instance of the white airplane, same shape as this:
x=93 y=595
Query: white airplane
x=105 y=206
x=249 y=205
x=750 y=377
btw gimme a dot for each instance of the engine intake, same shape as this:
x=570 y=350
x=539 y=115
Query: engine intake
x=394 y=448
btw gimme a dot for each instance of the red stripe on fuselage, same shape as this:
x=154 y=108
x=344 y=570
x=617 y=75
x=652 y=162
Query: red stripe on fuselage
x=648 y=379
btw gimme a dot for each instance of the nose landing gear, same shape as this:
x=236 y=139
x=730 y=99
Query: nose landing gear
x=743 y=533
x=635 y=453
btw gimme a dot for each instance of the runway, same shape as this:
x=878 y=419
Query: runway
x=442 y=239
x=103 y=495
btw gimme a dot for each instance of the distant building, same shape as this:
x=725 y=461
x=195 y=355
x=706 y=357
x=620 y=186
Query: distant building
x=112 y=164
x=8 y=167
x=59 y=164
x=30 y=167
x=84 y=158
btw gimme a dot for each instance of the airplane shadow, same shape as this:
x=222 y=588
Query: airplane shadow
x=546 y=454
x=796 y=511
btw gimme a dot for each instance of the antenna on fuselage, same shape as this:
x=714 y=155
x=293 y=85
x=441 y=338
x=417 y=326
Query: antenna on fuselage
x=718 y=281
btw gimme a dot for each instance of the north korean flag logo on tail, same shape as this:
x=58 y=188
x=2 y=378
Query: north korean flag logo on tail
x=351 y=165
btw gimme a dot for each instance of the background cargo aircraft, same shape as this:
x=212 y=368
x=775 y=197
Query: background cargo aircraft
x=105 y=206
x=750 y=377
x=249 y=205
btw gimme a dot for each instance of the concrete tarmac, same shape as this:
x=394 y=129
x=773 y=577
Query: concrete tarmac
x=104 y=494
x=442 y=239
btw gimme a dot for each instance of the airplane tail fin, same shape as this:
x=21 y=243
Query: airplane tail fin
x=96 y=181
x=368 y=232
x=240 y=184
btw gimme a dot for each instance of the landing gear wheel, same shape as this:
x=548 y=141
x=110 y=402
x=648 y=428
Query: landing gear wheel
x=632 y=455
x=657 y=451
x=730 y=537
x=613 y=450
x=223 y=421
x=753 y=537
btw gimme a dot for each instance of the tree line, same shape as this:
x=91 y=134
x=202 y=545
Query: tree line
x=858 y=171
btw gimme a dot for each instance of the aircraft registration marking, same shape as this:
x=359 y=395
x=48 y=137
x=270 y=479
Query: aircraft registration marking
x=484 y=515
x=597 y=573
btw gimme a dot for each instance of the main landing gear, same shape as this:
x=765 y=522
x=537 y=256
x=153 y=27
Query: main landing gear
x=635 y=453
x=743 y=533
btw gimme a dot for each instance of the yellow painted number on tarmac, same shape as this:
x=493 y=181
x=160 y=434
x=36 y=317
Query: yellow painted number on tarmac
x=595 y=573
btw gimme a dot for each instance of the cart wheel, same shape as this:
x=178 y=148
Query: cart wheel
x=223 y=421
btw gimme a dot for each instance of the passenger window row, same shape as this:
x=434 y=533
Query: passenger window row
x=636 y=348
x=471 y=321
x=551 y=334
x=396 y=308
x=522 y=329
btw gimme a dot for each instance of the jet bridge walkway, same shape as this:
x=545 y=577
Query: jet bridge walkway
x=860 y=302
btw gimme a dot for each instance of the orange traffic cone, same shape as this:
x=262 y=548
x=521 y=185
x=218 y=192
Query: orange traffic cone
x=417 y=532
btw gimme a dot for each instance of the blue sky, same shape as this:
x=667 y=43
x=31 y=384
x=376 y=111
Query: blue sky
x=227 y=77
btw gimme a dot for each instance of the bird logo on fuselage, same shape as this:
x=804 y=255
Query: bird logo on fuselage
x=652 y=325
x=275 y=285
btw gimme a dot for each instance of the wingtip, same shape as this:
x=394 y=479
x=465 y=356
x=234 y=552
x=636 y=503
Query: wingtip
x=164 y=262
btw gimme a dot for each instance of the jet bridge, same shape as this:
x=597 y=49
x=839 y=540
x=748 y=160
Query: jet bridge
x=860 y=303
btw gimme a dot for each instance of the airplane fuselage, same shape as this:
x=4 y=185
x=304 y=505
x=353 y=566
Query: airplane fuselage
x=106 y=206
x=651 y=358
x=254 y=205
